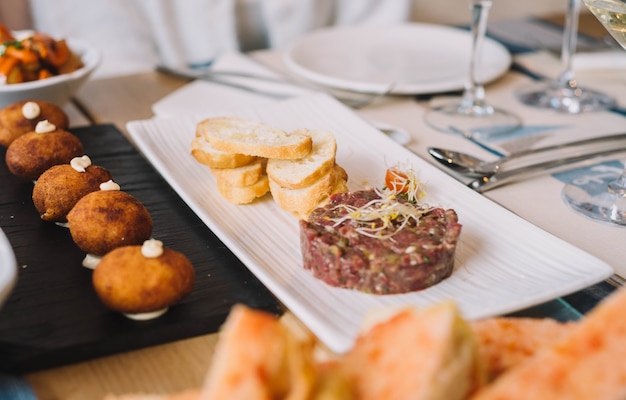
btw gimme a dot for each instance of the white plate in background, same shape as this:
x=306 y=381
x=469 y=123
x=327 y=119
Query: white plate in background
x=8 y=268
x=503 y=263
x=418 y=58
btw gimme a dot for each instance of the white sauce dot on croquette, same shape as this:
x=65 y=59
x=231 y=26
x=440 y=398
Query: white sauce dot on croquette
x=147 y=315
x=91 y=261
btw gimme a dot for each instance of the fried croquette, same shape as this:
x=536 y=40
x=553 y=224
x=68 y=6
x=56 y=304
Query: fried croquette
x=103 y=220
x=32 y=153
x=15 y=121
x=60 y=187
x=131 y=282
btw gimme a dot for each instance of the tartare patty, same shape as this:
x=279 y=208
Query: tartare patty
x=397 y=253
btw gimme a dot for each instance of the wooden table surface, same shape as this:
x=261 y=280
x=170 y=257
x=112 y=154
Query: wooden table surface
x=167 y=368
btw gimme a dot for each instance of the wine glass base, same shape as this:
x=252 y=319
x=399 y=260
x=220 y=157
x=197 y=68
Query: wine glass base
x=550 y=95
x=605 y=207
x=471 y=121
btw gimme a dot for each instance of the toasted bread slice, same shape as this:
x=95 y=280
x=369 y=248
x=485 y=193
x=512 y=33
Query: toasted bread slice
x=505 y=343
x=257 y=357
x=191 y=394
x=235 y=135
x=205 y=153
x=248 y=362
x=300 y=202
x=244 y=194
x=415 y=354
x=245 y=175
x=587 y=363
x=301 y=172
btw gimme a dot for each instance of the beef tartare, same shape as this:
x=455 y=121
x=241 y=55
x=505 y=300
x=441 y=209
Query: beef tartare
x=380 y=242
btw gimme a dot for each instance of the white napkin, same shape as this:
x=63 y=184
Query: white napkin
x=600 y=60
x=200 y=96
x=550 y=65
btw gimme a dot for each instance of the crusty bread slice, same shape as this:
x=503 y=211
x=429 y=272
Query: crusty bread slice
x=245 y=175
x=300 y=202
x=205 y=153
x=257 y=357
x=243 y=194
x=235 y=135
x=248 y=361
x=190 y=394
x=506 y=342
x=587 y=363
x=415 y=354
x=301 y=172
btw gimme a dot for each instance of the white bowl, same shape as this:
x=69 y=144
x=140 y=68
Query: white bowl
x=56 y=89
x=8 y=268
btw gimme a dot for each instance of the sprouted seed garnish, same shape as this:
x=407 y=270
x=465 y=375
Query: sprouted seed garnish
x=385 y=216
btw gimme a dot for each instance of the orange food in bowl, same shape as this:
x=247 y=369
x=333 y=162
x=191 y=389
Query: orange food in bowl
x=34 y=57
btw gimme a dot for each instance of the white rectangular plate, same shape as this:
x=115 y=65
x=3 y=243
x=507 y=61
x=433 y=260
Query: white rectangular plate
x=503 y=263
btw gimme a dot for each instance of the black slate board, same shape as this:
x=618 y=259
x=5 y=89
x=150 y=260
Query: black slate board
x=53 y=316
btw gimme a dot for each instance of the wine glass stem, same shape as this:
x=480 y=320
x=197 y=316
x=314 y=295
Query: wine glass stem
x=617 y=211
x=570 y=35
x=474 y=93
x=618 y=186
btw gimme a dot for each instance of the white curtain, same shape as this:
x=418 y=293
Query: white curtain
x=135 y=35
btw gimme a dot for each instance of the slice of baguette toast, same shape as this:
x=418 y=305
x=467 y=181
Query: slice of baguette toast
x=245 y=175
x=235 y=135
x=300 y=202
x=587 y=363
x=415 y=354
x=244 y=194
x=205 y=153
x=301 y=172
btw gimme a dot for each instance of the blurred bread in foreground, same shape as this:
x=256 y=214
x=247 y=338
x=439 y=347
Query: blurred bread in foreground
x=505 y=343
x=415 y=354
x=257 y=357
x=586 y=363
x=192 y=394
x=429 y=353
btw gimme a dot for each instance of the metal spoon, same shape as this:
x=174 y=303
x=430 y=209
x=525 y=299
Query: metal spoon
x=471 y=166
x=497 y=179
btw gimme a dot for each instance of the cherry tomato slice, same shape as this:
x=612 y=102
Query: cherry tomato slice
x=396 y=181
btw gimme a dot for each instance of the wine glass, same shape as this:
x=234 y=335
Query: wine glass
x=473 y=114
x=563 y=94
x=607 y=205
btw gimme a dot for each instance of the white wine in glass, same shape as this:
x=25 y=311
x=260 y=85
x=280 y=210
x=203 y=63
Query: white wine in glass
x=609 y=205
x=472 y=114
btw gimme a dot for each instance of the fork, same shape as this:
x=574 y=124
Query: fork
x=221 y=77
